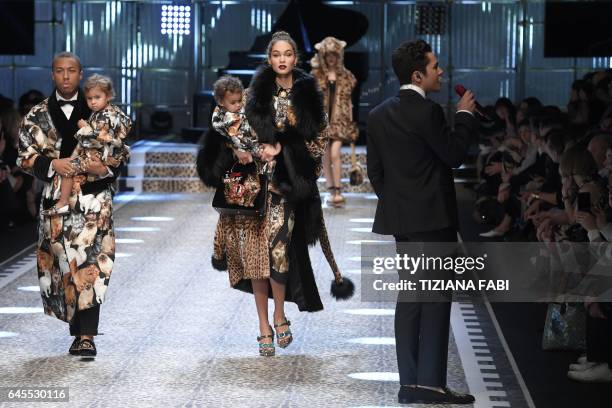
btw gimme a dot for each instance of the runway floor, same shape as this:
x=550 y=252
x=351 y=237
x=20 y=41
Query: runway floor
x=176 y=335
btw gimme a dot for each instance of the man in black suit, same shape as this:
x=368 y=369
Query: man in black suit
x=411 y=154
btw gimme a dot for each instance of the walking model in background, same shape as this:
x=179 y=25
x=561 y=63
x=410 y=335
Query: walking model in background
x=337 y=84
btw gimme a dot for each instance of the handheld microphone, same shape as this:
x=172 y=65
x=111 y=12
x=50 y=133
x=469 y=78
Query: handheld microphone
x=460 y=89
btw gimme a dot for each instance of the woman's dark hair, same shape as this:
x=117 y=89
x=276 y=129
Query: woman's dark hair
x=582 y=85
x=556 y=140
x=604 y=84
x=553 y=112
x=531 y=102
x=28 y=100
x=524 y=123
x=507 y=103
x=410 y=57
x=578 y=161
x=282 y=36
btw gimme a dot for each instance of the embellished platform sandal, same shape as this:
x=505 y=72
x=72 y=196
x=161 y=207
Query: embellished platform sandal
x=87 y=349
x=285 y=337
x=266 y=349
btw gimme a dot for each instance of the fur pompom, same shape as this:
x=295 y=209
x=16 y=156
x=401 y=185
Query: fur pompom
x=219 y=264
x=344 y=290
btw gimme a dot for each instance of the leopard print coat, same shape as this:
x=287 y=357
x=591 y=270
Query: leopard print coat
x=341 y=124
x=276 y=245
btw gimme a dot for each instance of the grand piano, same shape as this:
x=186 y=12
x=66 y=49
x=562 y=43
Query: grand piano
x=308 y=22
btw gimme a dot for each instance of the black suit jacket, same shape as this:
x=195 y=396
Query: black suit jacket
x=411 y=154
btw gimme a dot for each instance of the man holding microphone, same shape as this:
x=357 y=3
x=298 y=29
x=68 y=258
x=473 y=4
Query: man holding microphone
x=411 y=155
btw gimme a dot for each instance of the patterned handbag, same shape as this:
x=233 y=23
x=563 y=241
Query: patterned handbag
x=565 y=327
x=243 y=191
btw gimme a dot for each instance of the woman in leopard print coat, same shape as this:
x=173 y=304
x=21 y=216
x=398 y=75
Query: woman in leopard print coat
x=337 y=84
x=268 y=256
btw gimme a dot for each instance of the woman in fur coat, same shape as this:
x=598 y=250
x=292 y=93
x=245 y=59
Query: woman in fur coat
x=337 y=84
x=268 y=256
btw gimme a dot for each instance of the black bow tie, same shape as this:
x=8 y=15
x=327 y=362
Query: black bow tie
x=64 y=102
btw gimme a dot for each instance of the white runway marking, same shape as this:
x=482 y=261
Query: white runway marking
x=137 y=229
x=386 y=341
x=368 y=241
x=20 y=310
x=128 y=241
x=361 y=229
x=371 y=312
x=375 y=376
x=29 y=288
x=152 y=219
x=362 y=220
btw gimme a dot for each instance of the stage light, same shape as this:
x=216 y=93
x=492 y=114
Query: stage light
x=176 y=19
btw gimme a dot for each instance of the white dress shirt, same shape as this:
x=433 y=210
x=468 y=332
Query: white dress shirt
x=421 y=92
x=67 y=109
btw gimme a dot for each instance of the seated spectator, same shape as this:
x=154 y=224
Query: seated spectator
x=598 y=146
x=21 y=183
x=531 y=181
x=527 y=107
x=596 y=366
x=8 y=200
x=506 y=112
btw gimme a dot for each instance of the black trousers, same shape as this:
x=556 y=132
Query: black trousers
x=422 y=328
x=85 y=322
x=599 y=338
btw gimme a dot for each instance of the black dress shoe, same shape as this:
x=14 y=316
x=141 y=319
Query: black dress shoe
x=405 y=394
x=87 y=348
x=74 y=347
x=454 y=397
x=421 y=395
